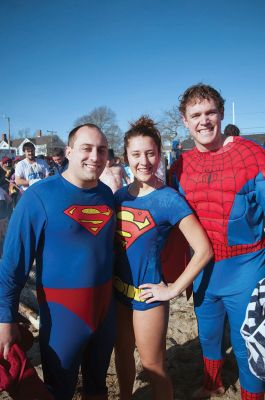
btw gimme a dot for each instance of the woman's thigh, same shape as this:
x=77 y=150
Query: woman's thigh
x=150 y=328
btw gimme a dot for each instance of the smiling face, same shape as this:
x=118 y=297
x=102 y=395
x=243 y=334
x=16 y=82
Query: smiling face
x=203 y=119
x=143 y=158
x=87 y=157
x=30 y=153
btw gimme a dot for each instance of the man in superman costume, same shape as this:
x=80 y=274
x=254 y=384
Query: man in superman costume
x=66 y=223
x=223 y=181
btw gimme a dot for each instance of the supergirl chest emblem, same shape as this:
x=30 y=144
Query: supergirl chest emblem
x=131 y=224
x=92 y=218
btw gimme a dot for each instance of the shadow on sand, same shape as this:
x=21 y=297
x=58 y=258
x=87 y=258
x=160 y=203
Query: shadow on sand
x=185 y=367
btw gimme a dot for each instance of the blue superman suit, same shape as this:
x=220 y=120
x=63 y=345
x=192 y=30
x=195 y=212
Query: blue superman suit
x=70 y=233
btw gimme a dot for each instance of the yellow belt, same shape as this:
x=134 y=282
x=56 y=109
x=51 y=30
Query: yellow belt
x=127 y=290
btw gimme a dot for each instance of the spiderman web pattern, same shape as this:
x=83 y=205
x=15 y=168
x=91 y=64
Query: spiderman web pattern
x=211 y=181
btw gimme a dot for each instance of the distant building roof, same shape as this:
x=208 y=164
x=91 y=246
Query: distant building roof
x=17 y=142
x=49 y=140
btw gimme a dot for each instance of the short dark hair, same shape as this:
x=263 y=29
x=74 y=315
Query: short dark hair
x=58 y=152
x=71 y=136
x=28 y=145
x=231 y=130
x=200 y=92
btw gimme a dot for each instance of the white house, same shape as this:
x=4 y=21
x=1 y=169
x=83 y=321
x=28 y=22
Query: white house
x=44 y=145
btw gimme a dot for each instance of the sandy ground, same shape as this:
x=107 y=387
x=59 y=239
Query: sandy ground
x=183 y=356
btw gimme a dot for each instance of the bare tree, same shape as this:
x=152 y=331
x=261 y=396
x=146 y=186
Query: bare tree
x=169 y=124
x=105 y=119
x=23 y=133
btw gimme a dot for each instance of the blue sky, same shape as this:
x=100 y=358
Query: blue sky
x=62 y=58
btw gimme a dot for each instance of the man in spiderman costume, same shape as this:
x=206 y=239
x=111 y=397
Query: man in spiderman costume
x=66 y=223
x=223 y=181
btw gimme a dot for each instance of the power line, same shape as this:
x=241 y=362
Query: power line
x=255 y=127
x=254 y=112
x=52 y=132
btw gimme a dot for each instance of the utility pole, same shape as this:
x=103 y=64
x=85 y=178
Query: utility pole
x=9 y=130
x=233 y=112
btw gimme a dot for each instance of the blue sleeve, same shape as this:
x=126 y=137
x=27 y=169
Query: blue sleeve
x=21 y=245
x=260 y=190
x=176 y=206
x=182 y=209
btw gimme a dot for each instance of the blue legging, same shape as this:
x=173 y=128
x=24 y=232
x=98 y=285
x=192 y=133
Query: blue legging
x=66 y=343
x=215 y=299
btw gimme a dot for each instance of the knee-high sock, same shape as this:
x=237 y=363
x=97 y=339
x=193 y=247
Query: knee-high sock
x=245 y=395
x=212 y=374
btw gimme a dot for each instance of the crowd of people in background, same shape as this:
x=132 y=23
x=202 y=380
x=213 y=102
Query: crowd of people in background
x=17 y=174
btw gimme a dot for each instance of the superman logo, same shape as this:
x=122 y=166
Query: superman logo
x=131 y=224
x=92 y=218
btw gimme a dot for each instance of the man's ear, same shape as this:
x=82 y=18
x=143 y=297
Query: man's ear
x=185 y=122
x=68 y=151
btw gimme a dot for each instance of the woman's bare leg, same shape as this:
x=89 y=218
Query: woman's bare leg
x=150 y=328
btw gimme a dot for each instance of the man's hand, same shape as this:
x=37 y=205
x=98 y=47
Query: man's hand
x=9 y=334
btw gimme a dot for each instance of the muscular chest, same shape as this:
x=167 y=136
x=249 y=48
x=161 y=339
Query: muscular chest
x=210 y=185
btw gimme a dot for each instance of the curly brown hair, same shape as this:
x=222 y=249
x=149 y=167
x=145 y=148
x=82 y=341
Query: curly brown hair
x=144 y=126
x=200 y=92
